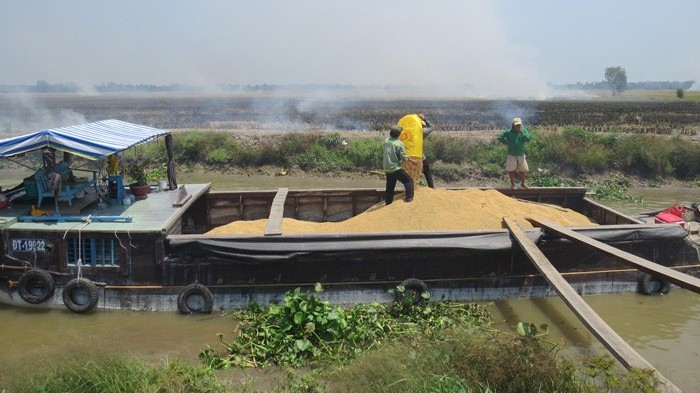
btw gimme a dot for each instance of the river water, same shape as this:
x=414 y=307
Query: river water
x=663 y=329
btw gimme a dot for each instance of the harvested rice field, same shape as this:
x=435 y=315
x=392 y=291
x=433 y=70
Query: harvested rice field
x=430 y=210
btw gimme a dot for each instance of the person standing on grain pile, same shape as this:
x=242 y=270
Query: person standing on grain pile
x=394 y=155
x=412 y=139
x=427 y=129
x=515 y=138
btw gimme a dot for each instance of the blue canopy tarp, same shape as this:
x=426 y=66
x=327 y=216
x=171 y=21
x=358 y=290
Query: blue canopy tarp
x=92 y=140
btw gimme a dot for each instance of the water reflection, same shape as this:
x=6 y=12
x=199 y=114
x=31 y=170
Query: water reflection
x=656 y=199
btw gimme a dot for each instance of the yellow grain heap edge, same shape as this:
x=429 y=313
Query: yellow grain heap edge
x=431 y=210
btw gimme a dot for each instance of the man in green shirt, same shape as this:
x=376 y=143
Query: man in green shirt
x=515 y=138
x=394 y=154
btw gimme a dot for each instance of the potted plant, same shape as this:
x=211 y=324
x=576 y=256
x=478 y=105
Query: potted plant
x=139 y=182
x=159 y=175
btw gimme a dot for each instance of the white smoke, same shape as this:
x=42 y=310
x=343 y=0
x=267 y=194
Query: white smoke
x=22 y=114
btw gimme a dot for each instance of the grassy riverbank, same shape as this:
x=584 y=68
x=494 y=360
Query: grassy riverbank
x=571 y=156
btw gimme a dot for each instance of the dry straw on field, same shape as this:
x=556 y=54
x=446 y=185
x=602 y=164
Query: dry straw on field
x=431 y=210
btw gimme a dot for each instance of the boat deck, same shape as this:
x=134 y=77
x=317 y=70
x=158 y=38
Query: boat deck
x=155 y=213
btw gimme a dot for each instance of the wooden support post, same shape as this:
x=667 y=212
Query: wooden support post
x=274 y=221
x=605 y=334
x=662 y=272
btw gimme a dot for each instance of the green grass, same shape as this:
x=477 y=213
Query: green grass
x=119 y=375
x=571 y=153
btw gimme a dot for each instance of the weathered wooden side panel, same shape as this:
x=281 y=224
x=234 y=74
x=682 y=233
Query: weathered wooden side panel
x=604 y=215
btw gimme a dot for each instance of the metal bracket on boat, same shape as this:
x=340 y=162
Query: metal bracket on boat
x=182 y=196
x=58 y=218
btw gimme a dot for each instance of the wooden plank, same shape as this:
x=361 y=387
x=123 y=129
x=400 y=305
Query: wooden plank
x=622 y=351
x=274 y=221
x=662 y=272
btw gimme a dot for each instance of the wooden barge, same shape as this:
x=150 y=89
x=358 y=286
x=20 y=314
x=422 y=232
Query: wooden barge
x=159 y=257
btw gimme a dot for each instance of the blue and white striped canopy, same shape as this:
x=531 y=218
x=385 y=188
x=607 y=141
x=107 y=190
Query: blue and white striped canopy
x=91 y=140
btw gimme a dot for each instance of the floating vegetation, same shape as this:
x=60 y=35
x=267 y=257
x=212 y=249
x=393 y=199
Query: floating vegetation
x=305 y=330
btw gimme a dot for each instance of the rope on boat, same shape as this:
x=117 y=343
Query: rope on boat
x=119 y=240
x=87 y=220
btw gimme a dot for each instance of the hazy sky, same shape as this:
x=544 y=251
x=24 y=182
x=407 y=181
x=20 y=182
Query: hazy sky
x=494 y=46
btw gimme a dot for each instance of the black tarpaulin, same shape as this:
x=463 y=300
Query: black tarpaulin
x=261 y=249
x=264 y=249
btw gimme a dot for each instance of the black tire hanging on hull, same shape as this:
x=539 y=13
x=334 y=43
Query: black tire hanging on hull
x=412 y=287
x=36 y=286
x=650 y=285
x=80 y=295
x=195 y=299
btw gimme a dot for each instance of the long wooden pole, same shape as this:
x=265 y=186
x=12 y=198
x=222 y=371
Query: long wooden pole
x=662 y=272
x=605 y=334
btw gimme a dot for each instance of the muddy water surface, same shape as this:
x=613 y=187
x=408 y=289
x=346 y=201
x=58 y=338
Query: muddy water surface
x=34 y=339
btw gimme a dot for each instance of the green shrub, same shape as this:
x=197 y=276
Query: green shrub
x=488 y=154
x=295 y=143
x=187 y=146
x=573 y=150
x=448 y=171
x=469 y=360
x=271 y=153
x=330 y=141
x=365 y=152
x=152 y=151
x=219 y=156
x=647 y=156
x=319 y=158
x=684 y=158
x=536 y=150
x=493 y=170
x=446 y=149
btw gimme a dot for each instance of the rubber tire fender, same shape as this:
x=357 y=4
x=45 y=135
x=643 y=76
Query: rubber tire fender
x=414 y=286
x=648 y=286
x=80 y=295
x=195 y=299
x=36 y=286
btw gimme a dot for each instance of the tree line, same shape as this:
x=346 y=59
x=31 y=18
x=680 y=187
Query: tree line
x=651 y=85
x=43 y=86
